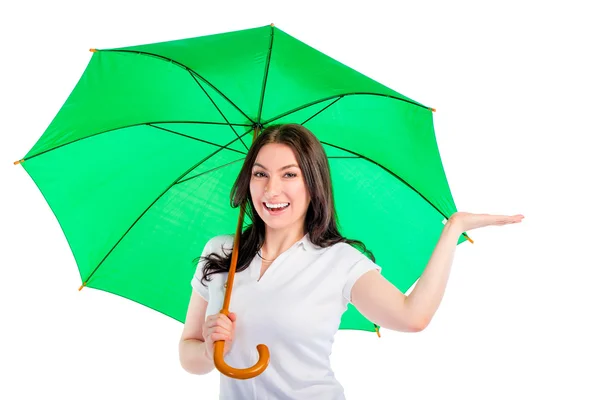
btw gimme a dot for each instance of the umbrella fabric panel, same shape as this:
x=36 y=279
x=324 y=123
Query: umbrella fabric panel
x=299 y=74
x=233 y=62
x=119 y=90
x=99 y=186
x=401 y=231
x=152 y=265
x=396 y=135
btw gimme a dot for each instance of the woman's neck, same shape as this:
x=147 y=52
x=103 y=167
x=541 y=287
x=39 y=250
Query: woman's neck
x=278 y=241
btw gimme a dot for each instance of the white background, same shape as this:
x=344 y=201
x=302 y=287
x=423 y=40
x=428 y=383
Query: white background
x=516 y=90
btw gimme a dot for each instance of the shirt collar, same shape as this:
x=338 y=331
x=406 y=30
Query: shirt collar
x=308 y=245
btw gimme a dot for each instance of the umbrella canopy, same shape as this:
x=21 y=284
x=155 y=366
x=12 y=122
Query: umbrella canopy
x=138 y=164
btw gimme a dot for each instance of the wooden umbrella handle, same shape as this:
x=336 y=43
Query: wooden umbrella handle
x=263 y=351
x=241 y=373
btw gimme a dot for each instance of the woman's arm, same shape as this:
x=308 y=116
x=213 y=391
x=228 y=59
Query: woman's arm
x=193 y=354
x=382 y=303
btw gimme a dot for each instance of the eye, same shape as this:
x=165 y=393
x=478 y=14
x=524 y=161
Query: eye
x=291 y=174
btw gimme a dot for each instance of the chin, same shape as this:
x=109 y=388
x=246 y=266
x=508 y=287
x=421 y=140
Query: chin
x=276 y=224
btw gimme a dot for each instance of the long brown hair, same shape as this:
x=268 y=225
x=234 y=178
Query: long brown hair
x=321 y=218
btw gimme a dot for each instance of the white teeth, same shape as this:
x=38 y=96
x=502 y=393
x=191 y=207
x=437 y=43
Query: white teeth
x=278 y=205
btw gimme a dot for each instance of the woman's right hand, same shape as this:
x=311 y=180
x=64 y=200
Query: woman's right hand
x=218 y=327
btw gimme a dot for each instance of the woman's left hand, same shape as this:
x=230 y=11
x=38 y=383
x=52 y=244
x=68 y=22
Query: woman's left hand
x=468 y=221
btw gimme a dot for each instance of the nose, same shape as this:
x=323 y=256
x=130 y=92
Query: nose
x=273 y=188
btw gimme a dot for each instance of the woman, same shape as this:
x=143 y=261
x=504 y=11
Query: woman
x=296 y=275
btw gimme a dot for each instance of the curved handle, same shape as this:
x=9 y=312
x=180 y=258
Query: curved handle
x=241 y=373
x=263 y=351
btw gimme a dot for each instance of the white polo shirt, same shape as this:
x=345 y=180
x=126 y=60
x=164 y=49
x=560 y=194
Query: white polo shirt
x=295 y=310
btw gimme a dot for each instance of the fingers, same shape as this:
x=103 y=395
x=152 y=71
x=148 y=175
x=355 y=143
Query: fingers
x=511 y=219
x=219 y=327
x=216 y=336
x=219 y=320
x=221 y=330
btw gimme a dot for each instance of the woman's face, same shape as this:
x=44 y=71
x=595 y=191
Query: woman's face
x=277 y=188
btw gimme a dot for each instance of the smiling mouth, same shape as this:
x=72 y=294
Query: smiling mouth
x=275 y=208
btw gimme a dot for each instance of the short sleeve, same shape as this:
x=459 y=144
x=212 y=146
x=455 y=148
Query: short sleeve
x=196 y=280
x=355 y=271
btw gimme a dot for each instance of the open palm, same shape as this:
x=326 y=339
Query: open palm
x=469 y=221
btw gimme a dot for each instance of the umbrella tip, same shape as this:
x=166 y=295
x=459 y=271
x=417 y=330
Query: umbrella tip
x=377 y=330
x=81 y=287
x=18 y=162
x=272 y=24
x=93 y=50
x=432 y=109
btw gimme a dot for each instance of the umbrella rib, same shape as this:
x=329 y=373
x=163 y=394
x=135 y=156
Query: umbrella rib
x=154 y=202
x=323 y=109
x=218 y=109
x=343 y=95
x=184 y=67
x=344 y=157
x=387 y=170
x=210 y=170
x=130 y=126
x=264 y=85
x=194 y=138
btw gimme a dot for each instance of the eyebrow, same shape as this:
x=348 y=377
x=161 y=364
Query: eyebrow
x=281 y=169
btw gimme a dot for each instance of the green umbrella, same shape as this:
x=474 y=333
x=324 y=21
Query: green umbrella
x=138 y=164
